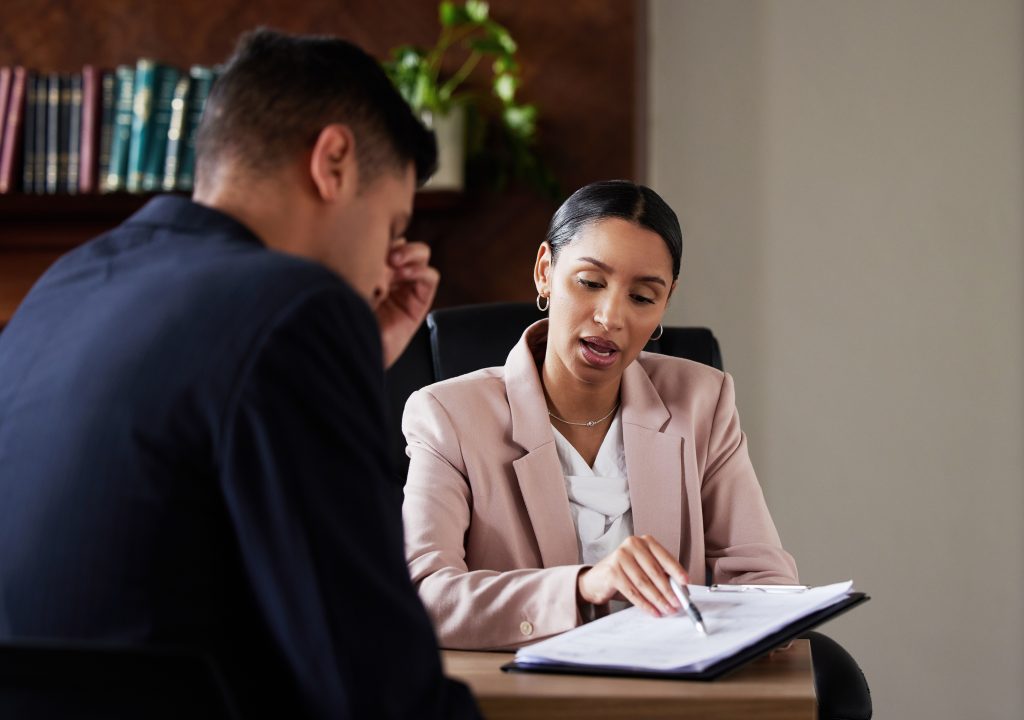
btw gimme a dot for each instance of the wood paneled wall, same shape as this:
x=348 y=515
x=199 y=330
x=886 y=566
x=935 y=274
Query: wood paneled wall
x=579 y=64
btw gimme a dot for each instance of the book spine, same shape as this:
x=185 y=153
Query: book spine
x=53 y=135
x=108 y=117
x=5 y=96
x=13 y=131
x=28 y=140
x=142 y=125
x=156 y=154
x=202 y=82
x=122 y=130
x=87 y=165
x=41 y=113
x=74 y=133
x=175 y=131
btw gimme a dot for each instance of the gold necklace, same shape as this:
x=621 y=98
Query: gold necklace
x=588 y=423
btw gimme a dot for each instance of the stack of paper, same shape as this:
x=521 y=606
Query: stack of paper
x=633 y=640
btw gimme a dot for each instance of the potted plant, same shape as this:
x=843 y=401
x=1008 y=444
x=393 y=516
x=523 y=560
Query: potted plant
x=503 y=149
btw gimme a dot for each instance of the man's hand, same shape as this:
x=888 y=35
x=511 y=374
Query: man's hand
x=412 y=290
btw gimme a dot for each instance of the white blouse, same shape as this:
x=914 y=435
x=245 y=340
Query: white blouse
x=599 y=495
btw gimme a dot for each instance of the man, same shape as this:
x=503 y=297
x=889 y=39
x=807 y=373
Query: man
x=192 y=441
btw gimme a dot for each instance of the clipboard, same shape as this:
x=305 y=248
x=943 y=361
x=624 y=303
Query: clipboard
x=716 y=670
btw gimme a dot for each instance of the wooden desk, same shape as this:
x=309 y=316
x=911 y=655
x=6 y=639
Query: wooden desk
x=776 y=688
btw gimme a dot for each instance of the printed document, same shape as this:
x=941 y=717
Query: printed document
x=632 y=639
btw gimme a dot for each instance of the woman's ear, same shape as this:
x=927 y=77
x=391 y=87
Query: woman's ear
x=332 y=164
x=542 y=269
x=671 y=290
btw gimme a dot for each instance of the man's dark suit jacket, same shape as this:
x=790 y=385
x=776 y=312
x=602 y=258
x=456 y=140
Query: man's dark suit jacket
x=192 y=453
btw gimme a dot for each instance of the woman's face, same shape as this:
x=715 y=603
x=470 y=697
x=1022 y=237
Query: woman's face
x=608 y=292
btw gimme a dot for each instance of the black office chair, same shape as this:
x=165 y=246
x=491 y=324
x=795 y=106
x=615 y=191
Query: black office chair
x=467 y=338
x=412 y=371
x=464 y=339
x=78 y=681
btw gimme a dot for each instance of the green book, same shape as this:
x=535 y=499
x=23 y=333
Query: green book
x=142 y=125
x=74 y=132
x=117 y=170
x=202 y=81
x=176 y=131
x=155 y=157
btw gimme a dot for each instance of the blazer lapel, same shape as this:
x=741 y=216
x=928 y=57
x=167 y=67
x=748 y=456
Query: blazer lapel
x=539 y=472
x=653 y=461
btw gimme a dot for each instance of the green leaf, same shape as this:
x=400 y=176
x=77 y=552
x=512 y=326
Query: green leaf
x=505 y=64
x=502 y=35
x=505 y=87
x=488 y=45
x=452 y=15
x=521 y=120
x=477 y=10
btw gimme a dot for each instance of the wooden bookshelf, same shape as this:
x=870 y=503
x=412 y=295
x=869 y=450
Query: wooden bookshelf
x=590 y=95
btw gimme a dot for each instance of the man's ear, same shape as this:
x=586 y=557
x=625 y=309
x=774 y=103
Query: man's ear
x=542 y=269
x=332 y=166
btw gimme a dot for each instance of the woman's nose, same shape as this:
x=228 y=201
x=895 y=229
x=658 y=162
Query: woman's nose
x=609 y=314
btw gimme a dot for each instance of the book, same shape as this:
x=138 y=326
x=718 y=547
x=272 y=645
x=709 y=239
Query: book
x=120 y=143
x=108 y=116
x=142 y=125
x=52 y=144
x=42 y=121
x=28 y=136
x=5 y=93
x=154 y=160
x=202 y=82
x=12 y=143
x=90 y=120
x=74 y=134
x=741 y=626
x=175 y=131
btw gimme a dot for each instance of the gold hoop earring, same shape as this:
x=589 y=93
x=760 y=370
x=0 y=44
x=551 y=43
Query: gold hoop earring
x=661 y=331
x=547 y=302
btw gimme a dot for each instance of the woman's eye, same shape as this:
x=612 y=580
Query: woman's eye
x=642 y=299
x=588 y=283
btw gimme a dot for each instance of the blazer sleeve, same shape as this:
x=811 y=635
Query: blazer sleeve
x=741 y=542
x=471 y=609
x=317 y=515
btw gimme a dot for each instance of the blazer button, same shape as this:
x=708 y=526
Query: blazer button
x=525 y=628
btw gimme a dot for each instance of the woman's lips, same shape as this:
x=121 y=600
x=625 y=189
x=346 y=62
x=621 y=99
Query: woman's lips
x=598 y=352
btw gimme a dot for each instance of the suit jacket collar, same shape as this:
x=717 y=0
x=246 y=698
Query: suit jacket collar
x=653 y=458
x=184 y=214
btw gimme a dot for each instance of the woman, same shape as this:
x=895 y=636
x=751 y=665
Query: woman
x=583 y=472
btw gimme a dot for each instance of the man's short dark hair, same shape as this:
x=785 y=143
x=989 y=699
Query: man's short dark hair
x=278 y=91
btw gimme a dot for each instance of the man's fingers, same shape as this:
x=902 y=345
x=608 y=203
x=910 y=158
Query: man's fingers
x=415 y=253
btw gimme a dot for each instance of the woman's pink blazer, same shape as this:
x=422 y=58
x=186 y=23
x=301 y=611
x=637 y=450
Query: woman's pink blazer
x=490 y=540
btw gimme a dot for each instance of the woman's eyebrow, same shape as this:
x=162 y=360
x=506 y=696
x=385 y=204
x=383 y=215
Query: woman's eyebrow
x=608 y=269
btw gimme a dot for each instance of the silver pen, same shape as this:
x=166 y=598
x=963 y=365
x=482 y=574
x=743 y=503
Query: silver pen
x=684 y=599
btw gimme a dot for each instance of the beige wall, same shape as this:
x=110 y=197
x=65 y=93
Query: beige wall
x=850 y=179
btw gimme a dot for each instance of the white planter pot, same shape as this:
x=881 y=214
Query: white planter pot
x=450 y=130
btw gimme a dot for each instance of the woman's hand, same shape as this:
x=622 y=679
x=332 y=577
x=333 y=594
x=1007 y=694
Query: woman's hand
x=411 y=292
x=638 y=571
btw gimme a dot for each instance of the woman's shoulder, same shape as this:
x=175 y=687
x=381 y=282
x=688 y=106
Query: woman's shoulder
x=673 y=368
x=678 y=379
x=464 y=395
